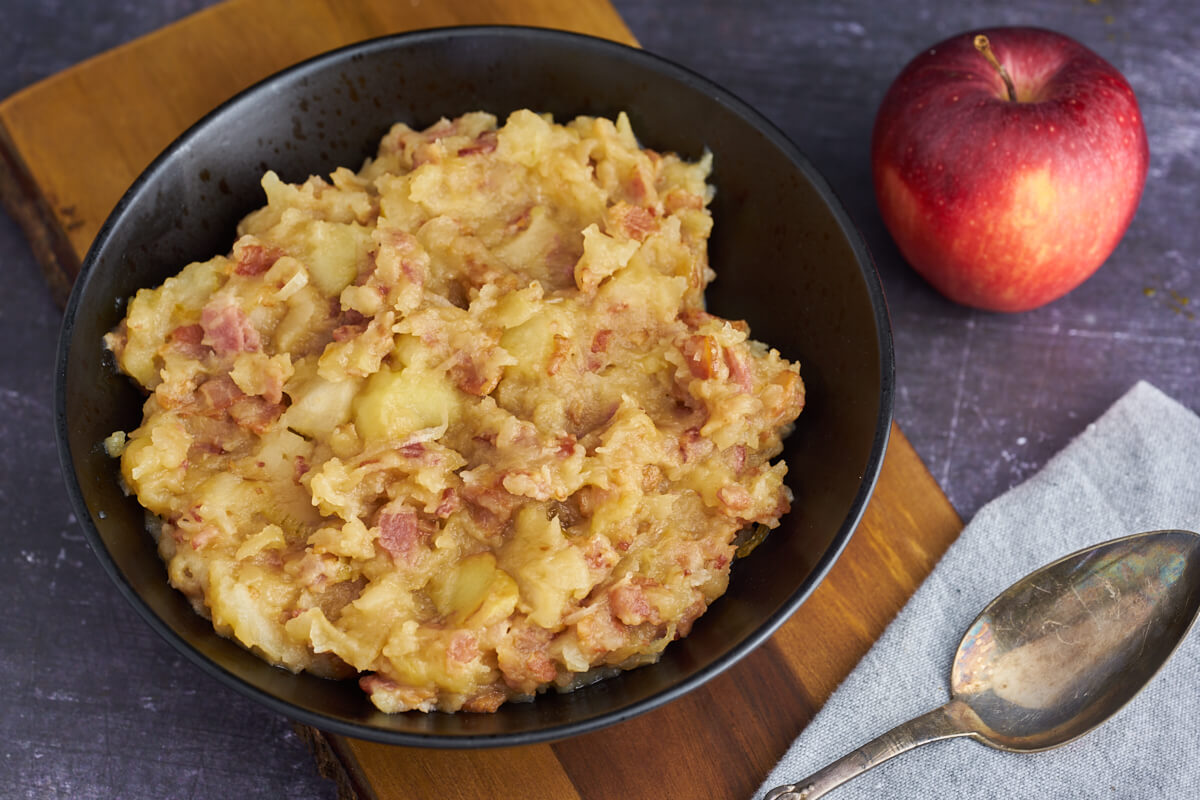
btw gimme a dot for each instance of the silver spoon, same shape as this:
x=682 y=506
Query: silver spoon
x=1055 y=655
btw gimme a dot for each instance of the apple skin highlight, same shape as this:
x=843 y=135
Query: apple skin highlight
x=1004 y=205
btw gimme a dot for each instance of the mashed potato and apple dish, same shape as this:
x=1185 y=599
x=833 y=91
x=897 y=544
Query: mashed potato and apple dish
x=458 y=423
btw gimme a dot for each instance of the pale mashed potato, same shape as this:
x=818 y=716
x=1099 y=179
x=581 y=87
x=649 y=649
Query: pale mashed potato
x=458 y=423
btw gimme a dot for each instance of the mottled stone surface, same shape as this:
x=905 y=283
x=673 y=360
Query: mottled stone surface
x=96 y=706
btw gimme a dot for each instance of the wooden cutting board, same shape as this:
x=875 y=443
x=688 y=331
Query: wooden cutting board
x=71 y=145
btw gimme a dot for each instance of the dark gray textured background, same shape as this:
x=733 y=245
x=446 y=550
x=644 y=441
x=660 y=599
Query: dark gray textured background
x=95 y=706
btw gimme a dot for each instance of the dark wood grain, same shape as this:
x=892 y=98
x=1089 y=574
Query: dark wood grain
x=746 y=715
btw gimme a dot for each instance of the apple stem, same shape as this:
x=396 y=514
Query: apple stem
x=985 y=47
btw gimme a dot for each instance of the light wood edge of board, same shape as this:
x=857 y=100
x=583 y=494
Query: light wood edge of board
x=60 y=191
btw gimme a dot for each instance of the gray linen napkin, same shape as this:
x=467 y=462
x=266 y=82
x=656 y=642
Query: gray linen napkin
x=1135 y=469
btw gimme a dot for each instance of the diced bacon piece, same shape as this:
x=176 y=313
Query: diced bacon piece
x=375 y=682
x=463 y=648
x=683 y=626
x=523 y=660
x=635 y=222
x=217 y=394
x=561 y=349
x=351 y=323
x=448 y=504
x=600 y=340
x=694 y=317
x=601 y=633
x=566 y=445
x=442 y=128
x=186 y=340
x=484 y=143
x=414 y=272
x=639 y=187
x=368 y=269
x=629 y=603
x=738 y=371
x=406 y=244
x=344 y=333
x=226 y=328
x=203 y=536
x=170 y=529
x=490 y=507
x=677 y=199
x=599 y=554
x=254 y=259
x=399 y=533
x=255 y=414
x=189 y=334
x=271 y=383
x=471 y=378
x=735 y=497
x=486 y=702
x=412 y=449
x=701 y=353
x=300 y=467
x=782 y=506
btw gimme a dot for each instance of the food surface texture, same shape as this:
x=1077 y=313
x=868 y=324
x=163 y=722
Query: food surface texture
x=458 y=424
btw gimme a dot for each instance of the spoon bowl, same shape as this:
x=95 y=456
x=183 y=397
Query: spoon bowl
x=1065 y=648
x=1054 y=655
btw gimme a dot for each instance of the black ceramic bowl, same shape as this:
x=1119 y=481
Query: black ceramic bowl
x=788 y=260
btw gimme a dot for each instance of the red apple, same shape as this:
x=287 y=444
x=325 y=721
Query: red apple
x=1007 y=165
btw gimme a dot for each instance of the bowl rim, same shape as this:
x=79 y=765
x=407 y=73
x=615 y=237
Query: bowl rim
x=556 y=731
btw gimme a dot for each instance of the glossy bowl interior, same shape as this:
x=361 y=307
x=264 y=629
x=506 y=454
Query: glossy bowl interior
x=787 y=257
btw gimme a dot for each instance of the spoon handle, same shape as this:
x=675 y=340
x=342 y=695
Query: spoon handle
x=943 y=722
